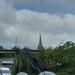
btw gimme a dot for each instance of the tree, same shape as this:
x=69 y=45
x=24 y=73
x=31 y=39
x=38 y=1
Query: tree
x=42 y=54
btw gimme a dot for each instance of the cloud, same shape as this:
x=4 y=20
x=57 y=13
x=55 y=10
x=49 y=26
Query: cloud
x=45 y=22
x=50 y=6
x=27 y=24
x=30 y=24
x=36 y=2
x=7 y=12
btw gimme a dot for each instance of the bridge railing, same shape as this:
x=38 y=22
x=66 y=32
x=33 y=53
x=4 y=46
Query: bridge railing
x=35 y=61
x=41 y=65
x=44 y=65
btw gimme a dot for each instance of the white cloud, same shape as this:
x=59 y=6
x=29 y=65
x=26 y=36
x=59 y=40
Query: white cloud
x=27 y=24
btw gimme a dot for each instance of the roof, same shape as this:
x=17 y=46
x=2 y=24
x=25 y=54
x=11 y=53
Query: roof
x=7 y=60
x=4 y=68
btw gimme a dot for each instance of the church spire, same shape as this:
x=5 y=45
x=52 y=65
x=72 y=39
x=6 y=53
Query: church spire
x=40 y=42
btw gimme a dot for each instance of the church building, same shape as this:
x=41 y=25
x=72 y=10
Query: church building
x=40 y=43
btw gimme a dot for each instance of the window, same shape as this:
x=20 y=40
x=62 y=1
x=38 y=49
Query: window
x=6 y=71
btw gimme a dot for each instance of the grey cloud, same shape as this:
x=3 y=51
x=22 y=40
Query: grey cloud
x=60 y=2
x=50 y=6
x=56 y=27
x=26 y=2
x=45 y=22
x=27 y=24
x=7 y=13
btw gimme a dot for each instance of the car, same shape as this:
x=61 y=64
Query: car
x=47 y=73
x=5 y=71
x=22 y=73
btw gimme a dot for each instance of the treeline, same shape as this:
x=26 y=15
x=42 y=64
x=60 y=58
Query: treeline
x=60 y=59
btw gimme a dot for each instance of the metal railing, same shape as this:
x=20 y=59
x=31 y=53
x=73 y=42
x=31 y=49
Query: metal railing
x=33 y=61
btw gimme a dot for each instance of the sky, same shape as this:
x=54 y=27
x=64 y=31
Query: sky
x=26 y=19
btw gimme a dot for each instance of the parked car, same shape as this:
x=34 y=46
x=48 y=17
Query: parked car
x=47 y=73
x=22 y=73
x=5 y=71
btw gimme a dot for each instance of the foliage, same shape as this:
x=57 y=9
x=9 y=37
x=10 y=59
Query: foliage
x=42 y=54
x=61 y=58
x=66 y=55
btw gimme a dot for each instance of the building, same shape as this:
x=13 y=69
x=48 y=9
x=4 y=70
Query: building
x=40 y=43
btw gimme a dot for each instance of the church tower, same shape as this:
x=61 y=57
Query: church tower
x=40 y=42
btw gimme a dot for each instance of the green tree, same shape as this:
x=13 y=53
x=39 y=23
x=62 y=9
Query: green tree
x=42 y=54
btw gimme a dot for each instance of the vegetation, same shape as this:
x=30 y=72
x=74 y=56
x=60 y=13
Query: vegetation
x=60 y=59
